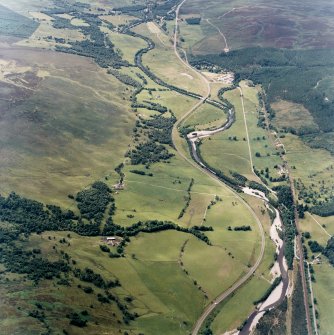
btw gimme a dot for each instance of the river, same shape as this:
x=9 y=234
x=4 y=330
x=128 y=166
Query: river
x=280 y=267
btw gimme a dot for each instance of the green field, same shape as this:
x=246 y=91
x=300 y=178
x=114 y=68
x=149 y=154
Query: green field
x=313 y=167
x=323 y=292
x=206 y=117
x=169 y=286
x=163 y=62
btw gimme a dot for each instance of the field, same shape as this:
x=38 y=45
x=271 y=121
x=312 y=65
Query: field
x=293 y=116
x=162 y=292
x=236 y=309
x=312 y=168
x=323 y=291
x=206 y=117
x=164 y=63
x=73 y=132
x=127 y=45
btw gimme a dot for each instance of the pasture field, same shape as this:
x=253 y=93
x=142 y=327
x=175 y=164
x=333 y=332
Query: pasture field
x=177 y=103
x=128 y=45
x=233 y=146
x=206 y=117
x=215 y=87
x=312 y=169
x=163 y=62
x=164 y=292
x=289 y=115
x=223 y=143
x=260 y=210
x=118 y=20
x=237 y=308
x=189 y=34
x=314 y=225
x=324 y=293
x=150 y=273
x=232 y=143
x=68 y=124
x=259 y=139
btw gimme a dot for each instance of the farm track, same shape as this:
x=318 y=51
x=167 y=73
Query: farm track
x=226 y=49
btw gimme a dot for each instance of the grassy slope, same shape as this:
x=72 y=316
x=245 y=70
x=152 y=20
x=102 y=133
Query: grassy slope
x=206 y=117
x=67 y=129
x=323 y=292
x=164 y=63
x=14 y=24
x=313 y=166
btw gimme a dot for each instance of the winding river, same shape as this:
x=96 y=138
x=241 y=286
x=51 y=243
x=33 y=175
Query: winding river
x=280 y=267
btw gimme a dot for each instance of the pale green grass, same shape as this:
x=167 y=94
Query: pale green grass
x=118 y=19
x=258 y=137
x=314 y=167
x=223 y=269
x=177 y=103
x=196 y=210
x=164 y=63
x=226 y=154
x=270 y=248
x=324 y=293
x=236 y=309
x=244 y=246
x=206 y=117
x=128 y=45
x=307 y=224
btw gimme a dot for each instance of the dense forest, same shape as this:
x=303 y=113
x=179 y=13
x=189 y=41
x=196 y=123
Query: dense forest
x=329 y=250
x=286 y=207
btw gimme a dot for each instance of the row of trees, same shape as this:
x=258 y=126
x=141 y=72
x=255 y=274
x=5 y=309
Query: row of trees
x=286 y=207
x=187 y=198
